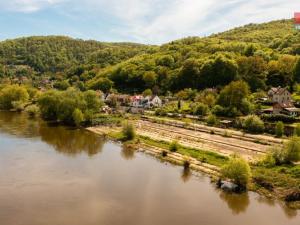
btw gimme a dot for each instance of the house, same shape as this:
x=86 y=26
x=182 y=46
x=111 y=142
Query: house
x=152 y=102
x=287 y=109
x=291 y=111
x=136 y=101
x=282 y=102
x=279 y=95
x=148 y=102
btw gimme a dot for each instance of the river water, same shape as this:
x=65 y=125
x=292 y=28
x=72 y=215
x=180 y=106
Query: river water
x=53 y=175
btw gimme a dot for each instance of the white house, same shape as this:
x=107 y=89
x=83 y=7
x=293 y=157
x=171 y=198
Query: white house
x=279 y=95
x=153 y=101
x=139 y=101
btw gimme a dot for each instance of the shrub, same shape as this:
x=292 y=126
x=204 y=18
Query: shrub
x=278 y=117
x=218 y=110
x=292 y=150
x=279 y=129
x=32 y=110
x=160 y=112
x=201 y=109
x=164 y=153
x=237 y=170
x=253 y=124
x=77 y=117
x=227 y=133
x=18 y=105
x=186 y=163
x=128 y=131
x=297 y=130
x=211 y=120
x=60 y=105
x=13 y=96
x=147 y=92
x=61 y=85
x=269 y=159
x=174 y=146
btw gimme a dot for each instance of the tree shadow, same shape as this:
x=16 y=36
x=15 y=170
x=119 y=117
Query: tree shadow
x=238 y=203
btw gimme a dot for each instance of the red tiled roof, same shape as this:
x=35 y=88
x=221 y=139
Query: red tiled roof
x=297 y=18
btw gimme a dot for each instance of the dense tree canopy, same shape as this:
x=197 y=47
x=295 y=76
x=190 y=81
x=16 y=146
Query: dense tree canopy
x=67 y=106
x=262 y=55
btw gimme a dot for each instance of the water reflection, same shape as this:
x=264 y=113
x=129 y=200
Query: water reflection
x=39 y=186
x=238 y=203
x=64 y=140
x=290 y=213
x=18 y=124
x=186 y=175
x=127 y=152
x=71 y=141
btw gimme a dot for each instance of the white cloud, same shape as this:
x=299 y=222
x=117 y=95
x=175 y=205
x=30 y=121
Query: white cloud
x=26 y=6
x=159 y=21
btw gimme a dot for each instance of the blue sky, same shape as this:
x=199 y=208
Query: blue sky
x=144 y=21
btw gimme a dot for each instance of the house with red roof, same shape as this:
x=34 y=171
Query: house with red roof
x=297 y=20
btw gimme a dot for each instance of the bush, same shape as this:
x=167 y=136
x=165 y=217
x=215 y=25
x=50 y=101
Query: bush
x=128 y=131
x=253 y=124
x=278 y=117
x=164 y=153
x=297 y=130
x=201 y=109
x=18 y=105
x=186 y=163
x=268 y=160
x=32 y=110
x=160 y=112
x=218 y=110
x=211 y=120
x=237 y=170
x=174 y=146
x=13 y=96
x=77 y=117
x=292 y=150
x=147 y=92
x=279 y=129
x=61 y=85
x=60 y=105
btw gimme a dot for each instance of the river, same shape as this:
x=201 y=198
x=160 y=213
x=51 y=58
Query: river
x=53 y=175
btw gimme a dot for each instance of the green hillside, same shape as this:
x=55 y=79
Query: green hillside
x=57 y=53
x=261 y=54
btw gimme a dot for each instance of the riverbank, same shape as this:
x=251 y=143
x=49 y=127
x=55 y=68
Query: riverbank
x=274 y=183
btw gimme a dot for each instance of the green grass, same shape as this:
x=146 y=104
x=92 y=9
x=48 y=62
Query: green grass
x=104 y=119
x=201 y=155
x=287 y=176
x=119 y=136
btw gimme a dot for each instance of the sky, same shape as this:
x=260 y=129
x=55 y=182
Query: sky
x=142 y=21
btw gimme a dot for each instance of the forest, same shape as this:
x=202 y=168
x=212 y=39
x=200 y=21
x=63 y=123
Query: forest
x=262 y=55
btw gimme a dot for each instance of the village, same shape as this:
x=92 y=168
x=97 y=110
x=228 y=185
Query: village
x=277 y=102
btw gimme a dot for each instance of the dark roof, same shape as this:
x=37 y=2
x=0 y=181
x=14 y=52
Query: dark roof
x=278 y=90
x=293 y=109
